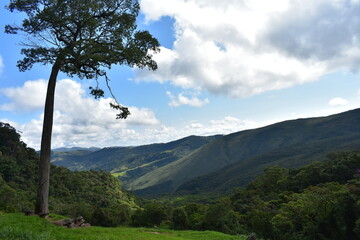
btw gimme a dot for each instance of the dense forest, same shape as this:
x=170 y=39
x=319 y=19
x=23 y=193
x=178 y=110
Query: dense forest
x=95 y=195
x=315 y=202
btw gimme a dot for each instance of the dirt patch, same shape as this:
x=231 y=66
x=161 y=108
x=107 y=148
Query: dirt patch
x=162 y=233
x=153 y=232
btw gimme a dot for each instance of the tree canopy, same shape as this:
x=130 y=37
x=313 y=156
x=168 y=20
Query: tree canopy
x=83 y=37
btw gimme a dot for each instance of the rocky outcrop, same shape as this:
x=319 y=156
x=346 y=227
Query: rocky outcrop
x=72 y=223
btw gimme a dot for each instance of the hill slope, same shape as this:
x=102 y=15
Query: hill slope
x=129 y=163
x=95 y=195
x=234 y=160
x=241 y=173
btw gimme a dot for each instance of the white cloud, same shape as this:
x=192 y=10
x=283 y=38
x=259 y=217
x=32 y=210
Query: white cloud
x=222 y=126
x=181 y=99
x=12 y=123
x=226 y=125
x=242 y=48
x=30 y=96
x=82 y=121
x=79 y=120
x=338 y=101
x=68 y=133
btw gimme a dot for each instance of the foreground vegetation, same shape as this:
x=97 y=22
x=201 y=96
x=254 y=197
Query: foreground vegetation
x=95 y=195
x=318 y=202
x=19 y=227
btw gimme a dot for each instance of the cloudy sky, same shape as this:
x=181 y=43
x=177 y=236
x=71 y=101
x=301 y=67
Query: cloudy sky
x=224 y=66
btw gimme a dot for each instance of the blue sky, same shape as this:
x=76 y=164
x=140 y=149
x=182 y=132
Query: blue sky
x=224 y=66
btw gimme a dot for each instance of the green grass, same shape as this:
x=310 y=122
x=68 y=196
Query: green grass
x=119 y=174
x=18 y=227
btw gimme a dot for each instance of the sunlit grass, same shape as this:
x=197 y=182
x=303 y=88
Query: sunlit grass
x=19 y=227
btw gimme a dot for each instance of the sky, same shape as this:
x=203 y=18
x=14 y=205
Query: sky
x=224 y=66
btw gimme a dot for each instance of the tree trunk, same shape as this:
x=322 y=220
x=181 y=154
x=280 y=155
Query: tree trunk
x=42 y=200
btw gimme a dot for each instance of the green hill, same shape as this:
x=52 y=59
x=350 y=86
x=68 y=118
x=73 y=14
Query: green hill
x=95 y=195
x=235 y=159
x=129 y=163
x=241 y=173
x=219 y=163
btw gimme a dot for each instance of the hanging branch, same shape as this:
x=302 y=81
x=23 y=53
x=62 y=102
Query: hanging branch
x=98 y=93
x=124 y=111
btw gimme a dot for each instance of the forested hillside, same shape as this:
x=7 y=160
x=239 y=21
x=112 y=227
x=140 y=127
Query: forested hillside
x=95 y=195
x=236 y=159
x=129 y=163
x=317 y=202
x=219 y=163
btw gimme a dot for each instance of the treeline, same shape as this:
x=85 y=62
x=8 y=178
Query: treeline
x=95 y=195
x=320 y=201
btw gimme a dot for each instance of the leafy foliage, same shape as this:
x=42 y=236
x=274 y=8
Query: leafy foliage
x=84 y=38
x=318 y=201
x=320 y=212
x=95 y=195
x=152 y=214
x=83 y=35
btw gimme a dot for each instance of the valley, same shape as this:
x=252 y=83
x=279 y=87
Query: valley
x=219 y=163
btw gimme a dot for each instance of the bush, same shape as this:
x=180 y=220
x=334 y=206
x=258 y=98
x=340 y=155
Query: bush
x=9 y=199
x=196 y=214
x=320 y=212
x=111 y=217
x=180 y=219
x=221 y=217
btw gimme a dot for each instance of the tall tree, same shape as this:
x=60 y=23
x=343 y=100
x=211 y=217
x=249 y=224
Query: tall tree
x=82 y=38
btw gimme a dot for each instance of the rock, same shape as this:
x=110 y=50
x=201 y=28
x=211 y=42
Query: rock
x=252 y=236
x=85 y=225
x=58 y=222
x=72 y=223
x=29 y=212
x=43 y=215
x=79 y=220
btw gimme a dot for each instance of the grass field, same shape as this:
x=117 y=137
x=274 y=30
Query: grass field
x=19 y=227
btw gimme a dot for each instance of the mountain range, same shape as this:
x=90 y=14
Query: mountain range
x=219 y=163
x=129 y=163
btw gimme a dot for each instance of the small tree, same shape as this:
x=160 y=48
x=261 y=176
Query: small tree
x=82 y=38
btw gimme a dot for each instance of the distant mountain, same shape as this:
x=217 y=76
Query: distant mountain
x=129 y=163
x=235 y=159
x=74 y=149
x=61 y=154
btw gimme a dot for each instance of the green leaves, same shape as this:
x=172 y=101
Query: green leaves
x=312 y=213
x=11 y=29
x=124 y=111
x=72 y=193
x=84 y=37
x=36 y=55
x=96 y=92
x=90 y=34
